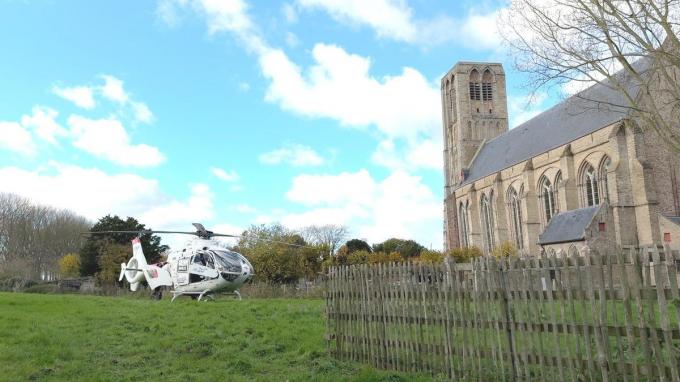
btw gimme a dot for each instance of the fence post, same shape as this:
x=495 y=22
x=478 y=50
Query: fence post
x=508 y=316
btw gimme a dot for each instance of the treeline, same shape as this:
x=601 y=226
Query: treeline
x=42 y=243
x=282 y=255
x=34 y=237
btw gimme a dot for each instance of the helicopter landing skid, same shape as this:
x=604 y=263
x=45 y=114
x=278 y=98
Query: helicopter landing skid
x=206 y=293
x=236 y=294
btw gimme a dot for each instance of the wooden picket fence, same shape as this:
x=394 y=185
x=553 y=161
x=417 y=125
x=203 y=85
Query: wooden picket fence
x=609 y=317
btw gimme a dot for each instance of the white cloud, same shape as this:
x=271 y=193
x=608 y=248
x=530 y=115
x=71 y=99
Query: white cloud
x=292 y=40
x=289 y=13
x=42 y=121
x=198 y=208
x=389 y=18
x=142 y=112
x=294 y=154
x=81 y=96
x=87 y=191
x=93 y=193
x=480 y=31
x=224 y=175
x=394 y=19
x=339 y=86
x=228 y=229
x=107 y=138
x=398 y=206
x=404 y=108
x=113 y=89
x=244 y=208
x=344 y=188
x=16 y=138
x=244 y=86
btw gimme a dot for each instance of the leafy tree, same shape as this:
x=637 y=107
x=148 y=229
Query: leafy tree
x=112 y=255
x=94 y=246
x=69 y=265
x=406 y=248
x=357 y=245
x=278 y=254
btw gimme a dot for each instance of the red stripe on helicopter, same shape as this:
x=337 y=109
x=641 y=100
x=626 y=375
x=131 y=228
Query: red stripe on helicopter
x=152 y=273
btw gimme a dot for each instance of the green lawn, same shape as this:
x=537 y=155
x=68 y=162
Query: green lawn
x=88 y=338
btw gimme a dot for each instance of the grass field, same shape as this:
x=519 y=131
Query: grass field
x=88 y=338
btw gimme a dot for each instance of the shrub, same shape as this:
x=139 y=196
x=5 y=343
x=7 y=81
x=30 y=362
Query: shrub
x=358 y=257
x=382 y=257
x=465 y=255
x=506 y=249
x=42 y=288
x=430 y=257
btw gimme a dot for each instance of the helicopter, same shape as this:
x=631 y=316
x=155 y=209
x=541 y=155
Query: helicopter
x=202 y=268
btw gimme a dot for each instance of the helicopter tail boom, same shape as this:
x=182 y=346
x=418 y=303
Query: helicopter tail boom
x=137 y=270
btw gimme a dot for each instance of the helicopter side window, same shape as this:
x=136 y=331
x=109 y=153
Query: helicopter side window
x=204 y=259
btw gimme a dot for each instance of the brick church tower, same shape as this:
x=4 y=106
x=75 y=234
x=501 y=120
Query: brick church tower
x=474 y=110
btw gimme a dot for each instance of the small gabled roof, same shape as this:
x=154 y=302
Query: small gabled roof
x=584 y=113
x=568 y=226
x=673 y=219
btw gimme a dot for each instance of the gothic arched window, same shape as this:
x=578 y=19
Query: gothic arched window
x=603 y=172
x=547 y=198
x=488 y=222
x=464 y=225
x=589 y=188
x=556 y=187
x=487 y=80
x=515 y=209
x=475 y=86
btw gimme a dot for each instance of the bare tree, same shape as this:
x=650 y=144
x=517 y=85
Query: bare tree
x=329 y=235
x=34 y=237
x=590 y=41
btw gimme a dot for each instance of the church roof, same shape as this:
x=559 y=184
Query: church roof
x=568 y=226
x=673 y=219
x=584 y=113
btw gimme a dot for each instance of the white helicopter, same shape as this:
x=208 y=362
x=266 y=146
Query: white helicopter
x=200 y=269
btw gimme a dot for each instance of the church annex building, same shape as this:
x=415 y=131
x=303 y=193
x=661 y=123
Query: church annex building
x=579 y=174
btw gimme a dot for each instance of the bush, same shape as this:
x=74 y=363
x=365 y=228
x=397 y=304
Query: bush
x=465 y=255
x=382 y=257
x=15 y=284
x=42 y=288
x=430 y=257
x=506 y=249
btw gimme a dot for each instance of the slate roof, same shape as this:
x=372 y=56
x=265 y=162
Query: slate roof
x=575 y=117
x=568 y=226
x=674 y=219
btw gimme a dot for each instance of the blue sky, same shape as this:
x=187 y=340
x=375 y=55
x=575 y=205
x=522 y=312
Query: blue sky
x=239 y=112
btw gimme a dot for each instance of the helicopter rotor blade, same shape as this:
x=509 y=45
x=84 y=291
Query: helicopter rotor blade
x=140 y=232
x=201 y=232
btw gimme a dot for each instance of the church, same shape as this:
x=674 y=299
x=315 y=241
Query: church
x=580 y=174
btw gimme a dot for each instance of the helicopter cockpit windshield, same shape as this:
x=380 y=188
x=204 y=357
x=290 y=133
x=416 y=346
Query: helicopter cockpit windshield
x=228 y=261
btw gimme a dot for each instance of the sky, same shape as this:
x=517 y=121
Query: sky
x=240 y=112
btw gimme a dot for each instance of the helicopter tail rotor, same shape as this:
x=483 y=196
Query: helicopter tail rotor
x=137 y=270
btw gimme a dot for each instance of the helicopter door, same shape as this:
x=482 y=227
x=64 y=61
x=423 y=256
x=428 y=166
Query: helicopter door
x=202 y=267
x=183 y=271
